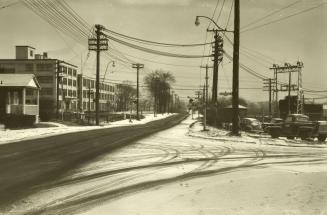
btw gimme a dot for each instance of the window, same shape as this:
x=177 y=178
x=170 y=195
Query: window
x=74 y=83
x=74 y=93
x=31 y=53
x=74 y=72
x=7 y=69
x=84 y=105
x=45 y=79
x=70 y=93
x=69 y=71
x=16 y=98
x=69 y=82
x=44 y=67
x=64 y=70
x=84 y=82
x=31 y=97
x=289 y=119
x=29 y=67
x=64 y=81
x=92 y=83
x=302 y=119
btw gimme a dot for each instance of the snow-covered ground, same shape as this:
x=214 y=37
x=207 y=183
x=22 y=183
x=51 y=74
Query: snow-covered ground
x=7 y=136
x=184 y=171
x=196 y=130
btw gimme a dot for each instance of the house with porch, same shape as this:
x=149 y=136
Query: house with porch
x=19 y=99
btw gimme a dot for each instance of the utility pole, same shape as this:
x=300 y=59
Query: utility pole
x=235 y=93
x=268 y=85
x=89 y=105
x=205 y=98
x=59 y=77
x=137 y=66
x=288 y=68
x=289 y=90
x=218 y=57
x=98 y=43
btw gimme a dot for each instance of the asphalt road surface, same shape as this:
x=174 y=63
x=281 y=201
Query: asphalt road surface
x=25 y=166
x=168 y=172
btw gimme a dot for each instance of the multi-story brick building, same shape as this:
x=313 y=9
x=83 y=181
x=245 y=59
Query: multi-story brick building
x=86 y=94
x=55 y=77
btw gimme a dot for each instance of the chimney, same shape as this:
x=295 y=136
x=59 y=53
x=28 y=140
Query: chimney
x=45 y=55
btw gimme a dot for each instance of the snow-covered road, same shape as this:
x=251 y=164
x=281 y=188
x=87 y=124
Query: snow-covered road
x=172 y=172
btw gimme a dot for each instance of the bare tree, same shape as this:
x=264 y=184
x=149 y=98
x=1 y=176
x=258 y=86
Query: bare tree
x=124 y=94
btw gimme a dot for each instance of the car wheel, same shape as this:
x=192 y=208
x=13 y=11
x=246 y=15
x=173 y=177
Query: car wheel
x=304 y=135
x=321 y=138
x=274 y=133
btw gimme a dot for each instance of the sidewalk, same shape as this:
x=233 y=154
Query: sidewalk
x=8 y=136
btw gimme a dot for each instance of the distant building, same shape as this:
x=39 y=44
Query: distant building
x=19 y=99
x=50 y=73
x=86 y=94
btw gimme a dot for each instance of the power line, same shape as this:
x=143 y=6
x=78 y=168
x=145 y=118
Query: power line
x=229 y=15
x=155 y=43
x=271 y=14
x=286 y=17
x=152 y=51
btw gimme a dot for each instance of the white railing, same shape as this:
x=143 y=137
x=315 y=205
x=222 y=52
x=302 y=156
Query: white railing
x=20 y=109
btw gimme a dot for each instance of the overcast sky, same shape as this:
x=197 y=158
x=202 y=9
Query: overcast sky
x=300 y=37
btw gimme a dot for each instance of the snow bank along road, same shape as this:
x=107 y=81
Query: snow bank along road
x=169 y=172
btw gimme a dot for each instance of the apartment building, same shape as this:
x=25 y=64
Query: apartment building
x=56 y=77
x=86 y=94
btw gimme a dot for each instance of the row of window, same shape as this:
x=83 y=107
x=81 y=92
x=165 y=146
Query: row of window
x=69 y=82
x=91 y=106
x=87 y=107
x=103 y=96
x=68 y=71
x=91 y=84
x=70 y=93
x=45 y=91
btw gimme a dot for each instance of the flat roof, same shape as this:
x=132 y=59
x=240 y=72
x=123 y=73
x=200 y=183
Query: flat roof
x=49 y=59
x=26 y=46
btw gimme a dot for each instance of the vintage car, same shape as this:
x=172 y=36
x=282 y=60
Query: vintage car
x=250 y=125
x=299 y=125
x=272 y=122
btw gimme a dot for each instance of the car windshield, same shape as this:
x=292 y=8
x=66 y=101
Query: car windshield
x=302 y=118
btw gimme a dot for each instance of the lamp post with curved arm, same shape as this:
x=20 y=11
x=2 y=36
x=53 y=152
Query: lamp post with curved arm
x=197 y=23
x=104 y=76
x=217 y=53
x=235 y=93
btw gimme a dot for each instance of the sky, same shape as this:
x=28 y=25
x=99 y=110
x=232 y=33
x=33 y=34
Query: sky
x=298 y=37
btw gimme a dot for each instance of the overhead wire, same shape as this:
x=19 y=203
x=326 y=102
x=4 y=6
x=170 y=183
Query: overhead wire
x=283 y=18
x=156 y=43
x=270 y=14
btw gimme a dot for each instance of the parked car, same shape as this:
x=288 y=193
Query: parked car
x=251 y=125
x=299 y=125
x=272 y=122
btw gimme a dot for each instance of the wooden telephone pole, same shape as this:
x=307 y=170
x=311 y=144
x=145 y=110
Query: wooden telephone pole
x=236 y=55
x=137 y=66
x=98 y=43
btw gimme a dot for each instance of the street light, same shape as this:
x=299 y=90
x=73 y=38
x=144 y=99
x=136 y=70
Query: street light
x=236 y=32
x=104 y=76
x=197 y=23
x=113 y=65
